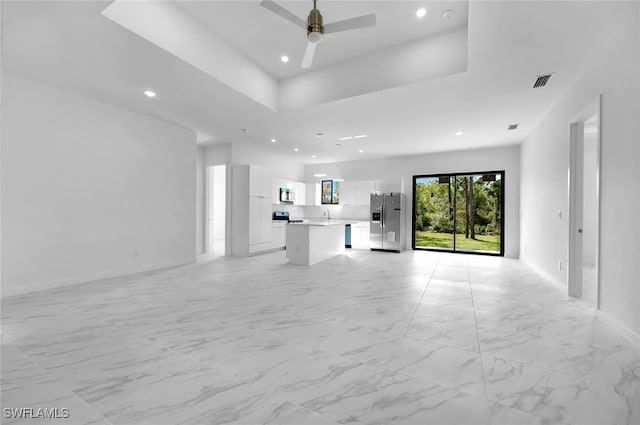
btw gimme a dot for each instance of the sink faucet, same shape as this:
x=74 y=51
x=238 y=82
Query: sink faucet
x=327 y=213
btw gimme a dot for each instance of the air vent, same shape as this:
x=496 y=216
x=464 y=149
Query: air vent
x=541 y=81
x=512 y=126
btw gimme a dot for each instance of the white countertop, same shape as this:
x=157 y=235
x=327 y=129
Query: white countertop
x=323 y=223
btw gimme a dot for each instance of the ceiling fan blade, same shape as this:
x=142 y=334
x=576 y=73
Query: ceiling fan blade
x=351 y=24
x=281 y=11
x=308 y=55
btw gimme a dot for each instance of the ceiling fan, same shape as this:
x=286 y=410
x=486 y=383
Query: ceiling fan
x=315 y=28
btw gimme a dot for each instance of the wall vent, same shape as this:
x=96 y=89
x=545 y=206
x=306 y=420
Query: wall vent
x=541 y=81
x=512 y=126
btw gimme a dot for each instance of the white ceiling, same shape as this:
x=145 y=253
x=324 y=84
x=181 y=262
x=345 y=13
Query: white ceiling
x=264 y=36
x=72 y=46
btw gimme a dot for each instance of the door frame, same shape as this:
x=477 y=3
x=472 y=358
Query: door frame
x=209 y=206
x=453 y=250
x=575 y=201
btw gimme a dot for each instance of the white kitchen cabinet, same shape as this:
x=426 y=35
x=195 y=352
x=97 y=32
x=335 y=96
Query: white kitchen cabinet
x=301 y=193
x=360 y=235
x=278 y=235
x=276 y=184
x=363 y=192
x=251 y=210
x=313 y=194
x=259 y=220
x=356 y=193
x=260 y=181
x=348 y=193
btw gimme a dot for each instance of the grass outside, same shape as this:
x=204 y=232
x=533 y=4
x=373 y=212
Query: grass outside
x=445 y=240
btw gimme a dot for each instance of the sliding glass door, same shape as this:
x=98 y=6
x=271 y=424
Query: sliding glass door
x=459 y=212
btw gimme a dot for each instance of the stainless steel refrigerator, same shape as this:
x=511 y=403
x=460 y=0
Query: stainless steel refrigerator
x=387 y=221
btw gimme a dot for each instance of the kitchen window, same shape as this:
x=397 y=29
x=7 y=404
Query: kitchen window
x=330 y=192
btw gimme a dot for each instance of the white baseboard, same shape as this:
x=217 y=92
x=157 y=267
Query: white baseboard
x=627 y=333
x=58 y=283
x=544 y=274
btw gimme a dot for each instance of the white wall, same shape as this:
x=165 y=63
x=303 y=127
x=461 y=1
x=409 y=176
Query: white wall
x=396 y=175
x=615 y=73
x=243 y=153
x=200 y=200
x=90 y=190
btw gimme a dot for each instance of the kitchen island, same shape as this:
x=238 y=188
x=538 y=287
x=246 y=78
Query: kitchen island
x=311 y=242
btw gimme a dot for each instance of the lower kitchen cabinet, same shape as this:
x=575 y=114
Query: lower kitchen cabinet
x=278 y=235
x=360 y=235
x=259 y=223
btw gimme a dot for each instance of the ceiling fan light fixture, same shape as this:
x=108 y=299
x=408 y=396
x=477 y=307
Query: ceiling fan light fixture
x=314 y=37
x=314 y=29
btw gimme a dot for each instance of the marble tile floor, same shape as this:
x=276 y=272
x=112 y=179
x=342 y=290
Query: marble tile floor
x=368 y=338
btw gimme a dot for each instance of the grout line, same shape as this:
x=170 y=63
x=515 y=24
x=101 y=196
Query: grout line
x=475 y=319
x=57 y=381
x=404 y=334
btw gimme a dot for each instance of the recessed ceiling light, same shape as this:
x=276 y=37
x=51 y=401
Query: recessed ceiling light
x=313 y=156
x=273 y=140
x=459 y=133
x=320 y=175
x=149 y=93
x=448 y=14
x=346 y=138
x=284 y=59
x=421 y=12
x=360 y=136
x=360 y=151
x=321 y=135
x=296 y=149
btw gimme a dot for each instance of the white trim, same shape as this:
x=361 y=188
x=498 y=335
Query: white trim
x=627 y=333
x=41 y=286
x=576 y=133
x=543 y=273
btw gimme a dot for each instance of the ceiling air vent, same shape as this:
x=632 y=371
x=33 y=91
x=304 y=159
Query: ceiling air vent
x=512 y=126
x=541 y=81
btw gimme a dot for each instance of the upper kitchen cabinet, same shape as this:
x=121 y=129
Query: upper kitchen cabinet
x=348 y=193
x=363 y=193
x=313 y=193
x=300 y=193
x=297 y=190
x=259 y=181
x=356 y=193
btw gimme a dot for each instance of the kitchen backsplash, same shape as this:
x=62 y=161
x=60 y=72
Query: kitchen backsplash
x=296 y=212
x=351 y=212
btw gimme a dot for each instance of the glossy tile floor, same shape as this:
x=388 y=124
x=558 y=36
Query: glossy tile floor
x=370 y=337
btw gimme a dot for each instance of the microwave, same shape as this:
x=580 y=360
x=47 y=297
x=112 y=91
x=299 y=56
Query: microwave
x=287 y=196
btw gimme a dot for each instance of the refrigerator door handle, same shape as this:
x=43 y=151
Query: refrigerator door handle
x=382 y=217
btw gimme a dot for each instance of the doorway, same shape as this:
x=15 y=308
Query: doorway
x=216 y=210
x=584 y=205
x=459 y=212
